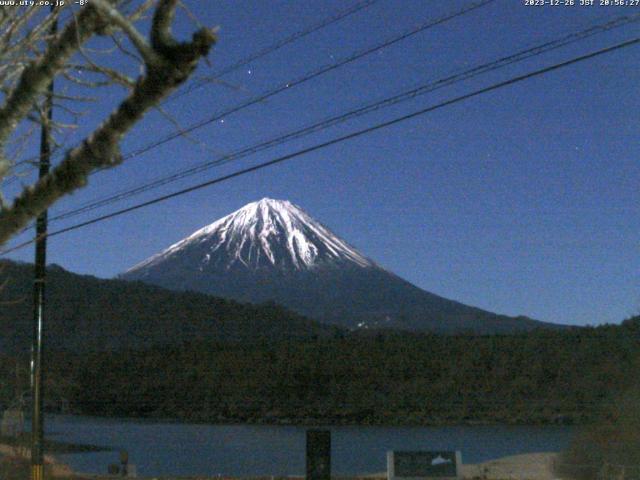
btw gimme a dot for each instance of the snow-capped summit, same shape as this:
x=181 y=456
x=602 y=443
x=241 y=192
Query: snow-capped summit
x=272 y=250
x=264 y=234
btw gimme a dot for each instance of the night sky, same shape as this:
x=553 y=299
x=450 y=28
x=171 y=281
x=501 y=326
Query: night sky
x=520 y=201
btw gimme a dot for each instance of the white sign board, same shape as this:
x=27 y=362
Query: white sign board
x=417 y=465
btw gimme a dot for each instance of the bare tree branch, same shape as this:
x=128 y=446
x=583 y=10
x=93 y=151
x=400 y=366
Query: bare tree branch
x=38 y=74
x=127 y=27
x=170 y=65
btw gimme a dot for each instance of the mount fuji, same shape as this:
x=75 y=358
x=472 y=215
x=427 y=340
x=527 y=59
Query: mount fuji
x=272 y=250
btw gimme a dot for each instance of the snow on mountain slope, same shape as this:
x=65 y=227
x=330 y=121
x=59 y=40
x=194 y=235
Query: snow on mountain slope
x=272 y=250
x=264 y=234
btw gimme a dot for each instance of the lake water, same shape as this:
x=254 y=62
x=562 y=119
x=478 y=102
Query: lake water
x=162 y=448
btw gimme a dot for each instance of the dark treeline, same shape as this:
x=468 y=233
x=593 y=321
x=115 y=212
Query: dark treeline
x=84 y=313
x=380 y=378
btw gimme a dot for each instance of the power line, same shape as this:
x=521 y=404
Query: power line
x=337 y=140
x=332 y=121
x=258 y=54
x=277 y=45
x=303 y=79
x=308 y=76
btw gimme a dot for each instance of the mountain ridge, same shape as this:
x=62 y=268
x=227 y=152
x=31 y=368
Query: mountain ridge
x=85 y=313
x=272 y=250
x=259 y=226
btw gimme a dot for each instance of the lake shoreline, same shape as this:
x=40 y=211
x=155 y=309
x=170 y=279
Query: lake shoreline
x=527 y=466
x=530 y=466
x=52 y=463
x=163 y=449
x=336 y=421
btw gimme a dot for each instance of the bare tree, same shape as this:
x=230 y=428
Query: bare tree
x=31 y=57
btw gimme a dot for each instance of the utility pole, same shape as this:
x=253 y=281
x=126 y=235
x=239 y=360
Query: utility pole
x=37 y=393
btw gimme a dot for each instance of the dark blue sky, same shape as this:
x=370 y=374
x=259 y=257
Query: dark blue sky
x=521 y=201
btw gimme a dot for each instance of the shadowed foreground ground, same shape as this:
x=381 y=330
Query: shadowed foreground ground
x=535 y=466
x=530 y=466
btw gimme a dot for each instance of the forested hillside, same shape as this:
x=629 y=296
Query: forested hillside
x=388 y=378
x=85 y=313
